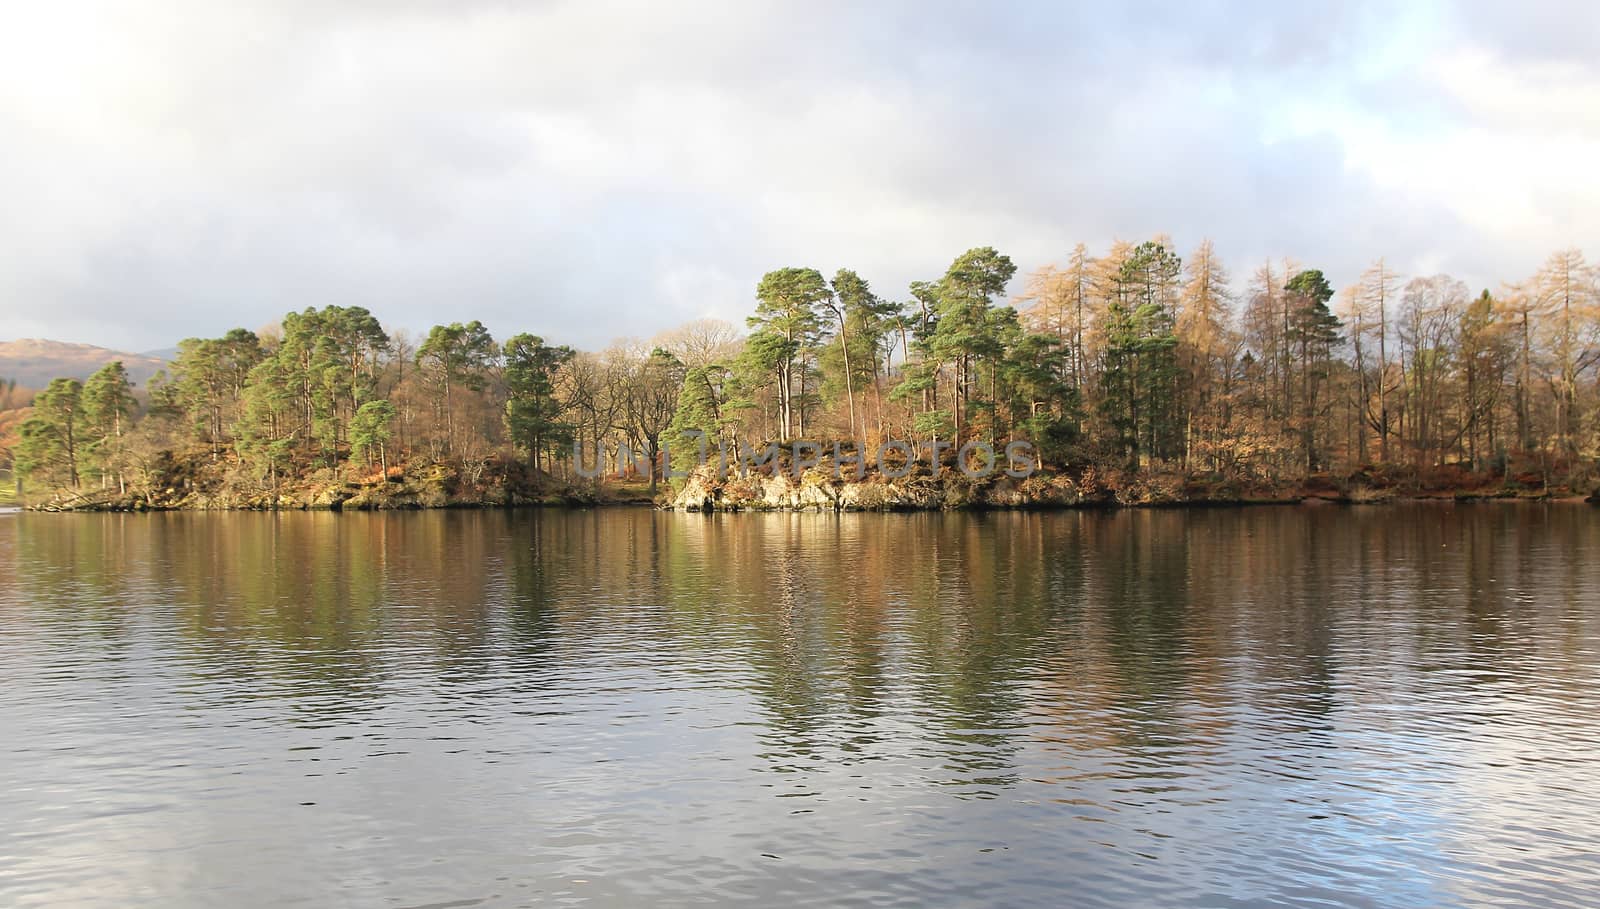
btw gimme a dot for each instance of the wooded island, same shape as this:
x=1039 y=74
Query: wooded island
x=1137 y=376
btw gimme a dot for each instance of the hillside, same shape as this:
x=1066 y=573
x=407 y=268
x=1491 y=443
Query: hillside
x=34 y=362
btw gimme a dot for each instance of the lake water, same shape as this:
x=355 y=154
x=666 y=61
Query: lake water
x=1392 y=706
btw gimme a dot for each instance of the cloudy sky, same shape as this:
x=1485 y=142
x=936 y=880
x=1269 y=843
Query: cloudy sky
x=590 y=170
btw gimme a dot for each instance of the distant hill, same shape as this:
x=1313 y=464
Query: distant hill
x=34 y=362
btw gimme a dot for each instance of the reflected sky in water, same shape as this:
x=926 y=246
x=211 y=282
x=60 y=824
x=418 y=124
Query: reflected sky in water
x=1270 y=706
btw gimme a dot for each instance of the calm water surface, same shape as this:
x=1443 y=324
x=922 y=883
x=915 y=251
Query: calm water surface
x=1276 y=706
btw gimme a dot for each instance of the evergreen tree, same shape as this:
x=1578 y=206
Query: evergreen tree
x=785 y=329
x=108 y=406
x=272 y=421
x=696 y=426
x=456 y=356
x=209 y=378
x=49 y=444
x=1313 y=330
x=371 y=429
x=964 y=336
x=533 y=413
x=1140 y=377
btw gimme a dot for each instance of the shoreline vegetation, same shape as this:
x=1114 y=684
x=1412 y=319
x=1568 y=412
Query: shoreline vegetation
x=1137 y=377
x=204 y=485
x=1063 y=491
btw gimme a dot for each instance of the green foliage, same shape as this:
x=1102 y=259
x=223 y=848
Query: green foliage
x=936 y=424
x=456 y=356
x=966 y=333
x=273 y=417
x=697 y=422
x=1097 y=371
x=863 y=322
x=301 y=393
x=787 y=302
x=108 y=407
x=1311 y=324
x=976 y=278
x=108 y=399
x=371 y=429
x=1314 y=330
x=48 y=448
x=1139 y=383
x=208 y=380
x=964 y=298
x=786 y=327
x=1042 y=404
x=461 y=353
x=40 y=454
x=533 y=415
x=925 y=294
x=331 y=355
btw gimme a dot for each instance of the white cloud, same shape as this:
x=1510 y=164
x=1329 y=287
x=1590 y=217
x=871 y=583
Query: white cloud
x=585 y=170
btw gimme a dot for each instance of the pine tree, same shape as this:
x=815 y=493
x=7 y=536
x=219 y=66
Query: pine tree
x=49 y=444
x=108 y=406
x=533 y=413
x=788 y=324
x=1140 y=377
x=964 y=337
x=371 y=429
x=1312 y=330
x=696 y=427
x=456 y=356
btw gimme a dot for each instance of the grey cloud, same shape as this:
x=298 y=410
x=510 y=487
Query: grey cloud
x=1542 y=31
x=592 y=170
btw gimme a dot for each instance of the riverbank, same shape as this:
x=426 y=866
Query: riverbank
x=201 y=482
x=820 y=490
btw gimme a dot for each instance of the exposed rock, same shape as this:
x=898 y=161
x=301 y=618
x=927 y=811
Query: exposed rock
x=819 y=490
x=697 y=494
x=332 y=498
x=201 y=480
x=198 y=480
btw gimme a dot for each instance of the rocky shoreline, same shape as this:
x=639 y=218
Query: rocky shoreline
x=213 y=487
x=848 y=501
x=819 y=490
x=201 y=485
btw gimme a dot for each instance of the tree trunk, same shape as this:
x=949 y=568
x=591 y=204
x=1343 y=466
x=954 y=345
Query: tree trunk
x=849 y=386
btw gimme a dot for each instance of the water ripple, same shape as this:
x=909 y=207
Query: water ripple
x=1269 y=707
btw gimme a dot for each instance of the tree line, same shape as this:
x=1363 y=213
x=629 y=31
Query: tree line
x=1135 y=359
